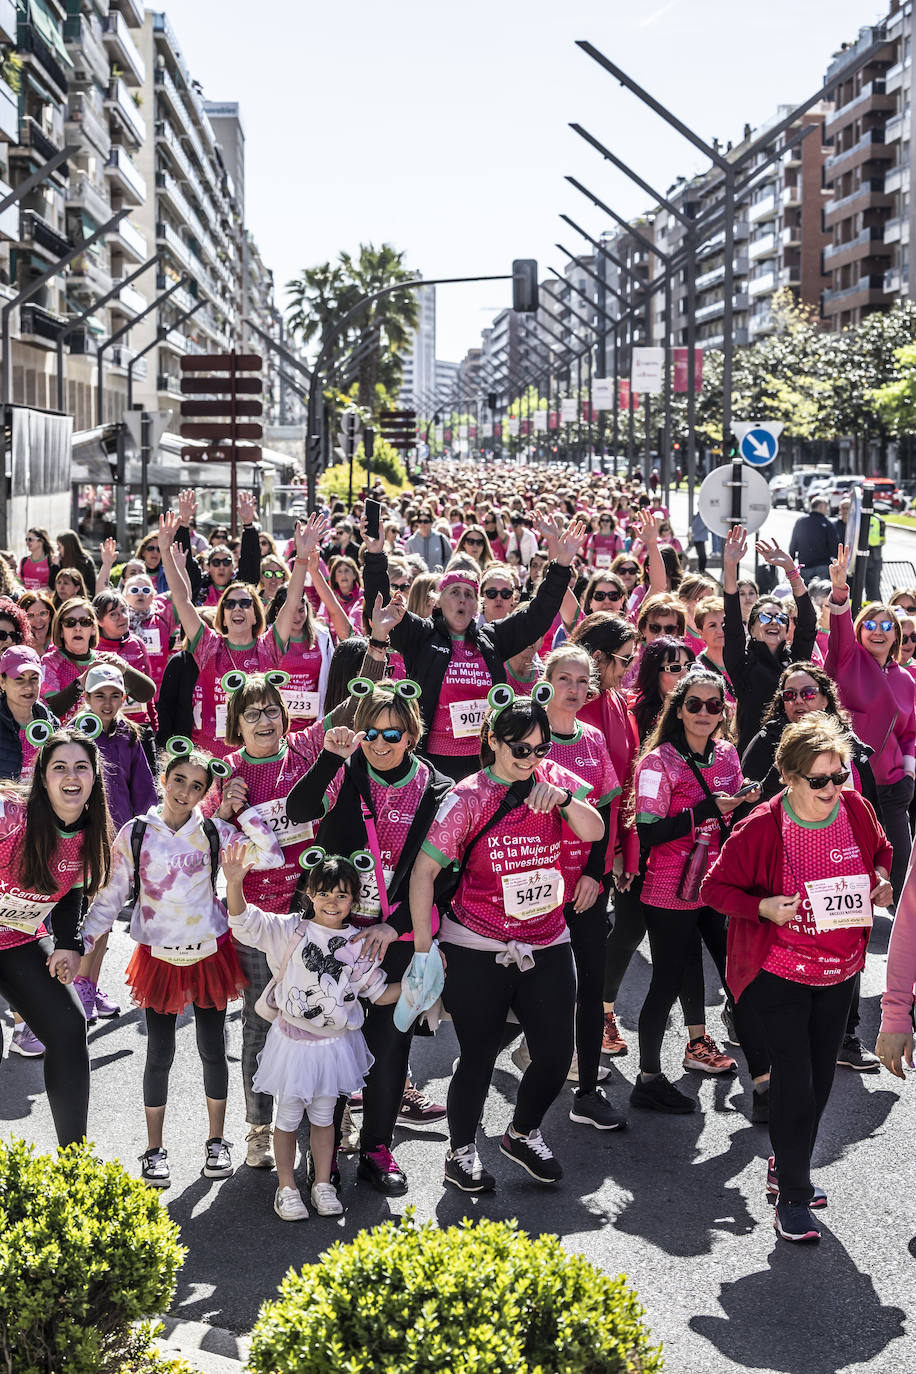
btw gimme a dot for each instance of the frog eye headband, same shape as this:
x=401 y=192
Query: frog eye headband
x=502 y=695
x=310 y=858
x=406 y=689
x=38 y=732
x=235 y=679
x=180 y=747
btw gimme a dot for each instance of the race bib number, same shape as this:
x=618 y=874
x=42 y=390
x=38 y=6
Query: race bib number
x=182 y=955
x=369 y=903
x=534 y=892
x=23 y=913
x=222 y=714
x=602 y=560
x=133 y=708
x=273 y=813
x=840 y=903
x=152 y=639
x=301 y=705
x=467 y=717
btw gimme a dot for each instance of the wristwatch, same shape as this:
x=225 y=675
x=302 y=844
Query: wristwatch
x=567 y=800
x=379 y=643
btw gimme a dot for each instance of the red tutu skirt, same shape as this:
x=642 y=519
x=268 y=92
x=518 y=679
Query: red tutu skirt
x=169 y=988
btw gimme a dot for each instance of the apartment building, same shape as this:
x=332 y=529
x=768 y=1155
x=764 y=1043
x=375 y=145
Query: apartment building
x=418 y=375
x=899 y=228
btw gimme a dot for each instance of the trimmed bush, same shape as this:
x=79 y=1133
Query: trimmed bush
x=474 y=1299
x=85 y=1252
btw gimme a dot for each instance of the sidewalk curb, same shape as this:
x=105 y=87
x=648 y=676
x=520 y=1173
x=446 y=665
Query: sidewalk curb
x=212 y=1349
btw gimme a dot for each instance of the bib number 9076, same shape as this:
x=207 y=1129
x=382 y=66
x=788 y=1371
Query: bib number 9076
x=467 y=717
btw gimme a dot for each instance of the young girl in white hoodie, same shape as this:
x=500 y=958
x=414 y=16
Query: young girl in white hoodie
x=184 y=953
x=315 y=1048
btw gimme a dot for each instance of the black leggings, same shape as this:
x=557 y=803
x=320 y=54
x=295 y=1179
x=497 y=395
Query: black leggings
x=53 y=1011
x=895 y=799
x=588 y=931
x=391 y=1048
x=479 y=994
x=628 y=933
x=803 y=1027
x=672 y=935
x=210 y=1024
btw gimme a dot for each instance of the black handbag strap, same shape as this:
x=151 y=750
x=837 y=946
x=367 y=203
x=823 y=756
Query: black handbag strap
x=515 y=796
x=698 y=774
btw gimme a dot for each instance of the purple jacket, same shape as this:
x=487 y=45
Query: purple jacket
x=879 y=700
x=129 y=785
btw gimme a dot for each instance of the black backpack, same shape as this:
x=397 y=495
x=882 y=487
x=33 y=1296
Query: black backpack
x=138 y=830
x=449 y=878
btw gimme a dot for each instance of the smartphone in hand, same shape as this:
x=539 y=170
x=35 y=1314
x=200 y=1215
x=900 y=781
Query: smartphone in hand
x=373 y=519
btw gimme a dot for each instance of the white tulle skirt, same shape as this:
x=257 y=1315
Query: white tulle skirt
x=307 y=1069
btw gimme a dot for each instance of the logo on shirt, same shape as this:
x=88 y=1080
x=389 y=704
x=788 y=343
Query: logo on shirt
x=838 y=856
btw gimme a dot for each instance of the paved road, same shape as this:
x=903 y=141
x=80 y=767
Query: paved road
x=676 y=1203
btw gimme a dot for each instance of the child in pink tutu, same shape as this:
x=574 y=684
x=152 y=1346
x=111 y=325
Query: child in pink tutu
x=315 y=1050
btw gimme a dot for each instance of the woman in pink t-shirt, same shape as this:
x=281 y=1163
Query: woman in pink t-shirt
x=686 y=784
x=506 y=936
x=793 y=958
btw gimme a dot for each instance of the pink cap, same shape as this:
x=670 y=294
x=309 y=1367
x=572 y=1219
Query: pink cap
x=20 y=659
x=459 y=575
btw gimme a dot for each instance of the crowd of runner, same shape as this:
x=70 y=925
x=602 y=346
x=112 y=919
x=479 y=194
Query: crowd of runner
x=453 y=754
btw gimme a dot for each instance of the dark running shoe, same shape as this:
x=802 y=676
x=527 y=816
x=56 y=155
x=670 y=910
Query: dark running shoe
x=854 y=1055
x=218 y=1160
x=419 y=1110
x=593 y=1109
x=793 y=1221
x=464 y=1170
x=818 y=1201
x=534 y=1155
x=380 y=1168
x=658 y=1095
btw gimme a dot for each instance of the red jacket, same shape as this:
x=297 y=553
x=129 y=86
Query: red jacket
x=609 y=714
x=750 y=867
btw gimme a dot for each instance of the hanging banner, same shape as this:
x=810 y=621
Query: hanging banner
x=587 y=412
x=680 y=369
x=553 y=419
x=472 y=431
x=539 y=419
x=438 y=433
x=568 y=410
x=487 y=429
x=513 y=426
x=603 y=393
x=462 y=431
x=497 y=429
x=526 y=426
x=648 y=370
x=628 y=397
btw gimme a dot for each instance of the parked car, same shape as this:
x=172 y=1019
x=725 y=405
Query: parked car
x=801 y=481
x=887 y=497
x=838 y=489
x=779 y=488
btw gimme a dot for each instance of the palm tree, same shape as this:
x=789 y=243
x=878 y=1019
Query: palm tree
x=322 y=295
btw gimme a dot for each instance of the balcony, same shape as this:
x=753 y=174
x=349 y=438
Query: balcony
x=87 y=125
x=789 y=276
x=893 y=78
x=132 y=11
x=169 y=384
x=8 y=21
x=167 y=235
x=122 y=174
x=898 y=127
x=792 y=194
x=873 y=96
x=712 y=341
x=9 y=114
x=870 y=148
x=89 y=273
x=868 y=243
x=174 y=341
x=711 y=279
x=761 y=324
x=791 y=236
x=872 y=194
x=82 y=342
x=118 y=358
x=123 y=50
x=892 y=229
x=84 y=44
x=762 y=209
x=762 y=286
x=89 y=197
x=129 y=300
x=897 y=179
x=39 y=326
x=868 y=290
x=9 y=219
x=129 y=242
x=34 y=48
x=716 y=309
x=36 y=233
x=764 y=247
x=181 y=299
x=120 y=104
x=891 y=283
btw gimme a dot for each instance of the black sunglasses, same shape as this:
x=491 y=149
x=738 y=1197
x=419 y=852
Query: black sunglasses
x=473 y=539
x=242 y=603
x=492 y=593
x=607 y=596
x=821 y=779
x=72 y=621
x=14 y=635
x=634 y=572
x=392 y=735
x=524 y=751
x=220 y=562
x=765 y=618
x=713 y=707
x=789 y=694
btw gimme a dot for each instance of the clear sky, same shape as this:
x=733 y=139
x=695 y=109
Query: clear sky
x=443 y=128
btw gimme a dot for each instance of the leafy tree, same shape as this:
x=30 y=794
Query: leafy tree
x=895 y=402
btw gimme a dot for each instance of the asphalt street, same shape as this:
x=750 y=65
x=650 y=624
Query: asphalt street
x=675 y=1203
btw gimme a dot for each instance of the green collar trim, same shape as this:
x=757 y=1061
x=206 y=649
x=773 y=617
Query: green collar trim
x=271 y=758
x=810 y=825
x=383 y=782
x=494 y=777
x=568 y=739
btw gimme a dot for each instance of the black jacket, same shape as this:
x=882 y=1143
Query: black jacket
x=343 y=829
x=757 y=763
x=426 y=644
x=175 y=704
x=814 y=540
x=754 y=670
x=10 y=740
x=249 y=567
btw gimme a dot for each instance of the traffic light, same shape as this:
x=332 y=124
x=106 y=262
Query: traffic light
x=524 y=286
x=232 y=385
x=491 y=400
x=348 y=433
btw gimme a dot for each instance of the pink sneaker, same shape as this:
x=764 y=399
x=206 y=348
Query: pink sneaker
x=705 y=1056
x=86 y=991
x=106 y=1006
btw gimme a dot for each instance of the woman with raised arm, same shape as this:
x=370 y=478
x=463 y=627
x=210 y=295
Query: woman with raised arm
x=878 y=694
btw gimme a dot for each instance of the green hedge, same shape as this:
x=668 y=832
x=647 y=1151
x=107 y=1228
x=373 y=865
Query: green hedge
x=474 y=1299
x=85 y=1252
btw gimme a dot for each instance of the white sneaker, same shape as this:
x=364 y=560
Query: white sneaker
x=573 y=1074
x=325 y=1200
x=289 y=1206
x=260 y=1155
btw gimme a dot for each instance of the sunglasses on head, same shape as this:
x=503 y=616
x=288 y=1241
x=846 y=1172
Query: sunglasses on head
x=139 y=591
x=871 y=625
x=524 y=751
x=492 y=593
x=714 y=706
x=655 y=629
x=241 y=603
x=9 y=634
x=613 y=595
x=392 y=735
x=220 y=562
x=72 y=621
x=765 y=619
x=821 y=779
x=253 y=714
x=806 y=693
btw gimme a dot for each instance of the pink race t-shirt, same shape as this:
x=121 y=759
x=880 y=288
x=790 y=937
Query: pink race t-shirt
x=800 y=952
x=512 y=887
x=462 y=703
x=602 y=549
x=667 y=785
x=60 y=670
x=154 y=634
x=587 y=756
x=34 y=576
x=23 y=912
x=132 y=651
x=215 y=657
x=303 y=663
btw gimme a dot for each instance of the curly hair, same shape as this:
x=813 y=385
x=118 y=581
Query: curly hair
x=825 y=684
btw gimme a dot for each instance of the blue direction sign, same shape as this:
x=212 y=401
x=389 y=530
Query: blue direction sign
x=758 y=441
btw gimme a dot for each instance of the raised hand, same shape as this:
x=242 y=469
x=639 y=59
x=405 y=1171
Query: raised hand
x=237 y=861
x=168 y=528
x=570 y=542
x=839 y=568
x=735 y=546
x=647 y=526
x=187 y=505
x=771 y=553
x=109 y=551
x=384 y=618
x=550 y=532
x=248 y=507
x=343 y=742
x=309 y=536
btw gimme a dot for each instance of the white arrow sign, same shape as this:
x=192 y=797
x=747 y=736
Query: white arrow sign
x=158 y=419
